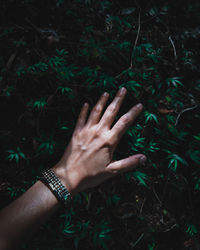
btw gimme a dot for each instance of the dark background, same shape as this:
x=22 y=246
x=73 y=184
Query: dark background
x=56 y=55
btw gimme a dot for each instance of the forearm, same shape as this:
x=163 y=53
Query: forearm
x=86 y=162
x=26 y=214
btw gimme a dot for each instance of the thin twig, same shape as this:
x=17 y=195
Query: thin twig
x=170 y=39
x=20 y=27
x=157 y=196
x=169 y=229
x=123 y=72
x=136 y=40
x=183 y=111
x=142 y=205
x=134 y=244
x=174 y=48
x=135 y=44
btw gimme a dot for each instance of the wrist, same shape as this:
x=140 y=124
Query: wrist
x=62 y=175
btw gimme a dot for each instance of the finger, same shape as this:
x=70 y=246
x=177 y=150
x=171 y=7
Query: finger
x=82 y=117
x=124 y=122
x=96 y=112
x=126 y=164
x=112 y=110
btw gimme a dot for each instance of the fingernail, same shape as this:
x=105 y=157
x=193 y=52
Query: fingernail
x=143 y=160
x=122 y=90
x=86 y=104
x=139 y=106
x=105 y=94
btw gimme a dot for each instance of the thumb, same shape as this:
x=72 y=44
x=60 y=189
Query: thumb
x=127 y=164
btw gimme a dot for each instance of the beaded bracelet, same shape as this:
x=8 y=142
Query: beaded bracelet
x=56 y=186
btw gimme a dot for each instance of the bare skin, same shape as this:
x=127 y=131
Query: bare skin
x=86 y=162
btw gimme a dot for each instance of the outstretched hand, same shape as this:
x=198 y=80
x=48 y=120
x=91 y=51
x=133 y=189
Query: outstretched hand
x=87 y=160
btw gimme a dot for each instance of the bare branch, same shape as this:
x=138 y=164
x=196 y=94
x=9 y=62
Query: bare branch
x=169 y=229
x=174 y=48
x=134 y=244
x=136 y=40
x=183 y=111
x=135 y=44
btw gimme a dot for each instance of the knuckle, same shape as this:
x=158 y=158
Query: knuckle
x=125 y=119
x=136 y=109
x=106 y=137
x=112 y=171
x=97 y=131
x=111 y=140
x=112 y=108
x=97 y=109
x=76 y=133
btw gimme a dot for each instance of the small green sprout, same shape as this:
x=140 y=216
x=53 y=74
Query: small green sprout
x=15 y=155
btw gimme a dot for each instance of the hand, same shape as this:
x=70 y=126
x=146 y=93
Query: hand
x=87 y=160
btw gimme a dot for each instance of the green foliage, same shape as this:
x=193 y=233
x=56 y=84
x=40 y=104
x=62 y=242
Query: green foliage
x=15 y=155
x=57 y=56
x=153 y=146
x=174 y=159
x=38 y=104
x=191 y=230
x=197 y=137
x=15 y=192
x=150 y=117
x=9 y=90
x=197 y=183
x=66 y=91
x=83 y=232
x=194 y=155
x=137 y=144
x=47 y=145
x=113 y=200
x=38 y=67
x=101 y=234
x=59 y=3
x=62 y=125
x=152 y=246
x=141 y=177
x=132 y=86
x=174 y=81
x=68 y=228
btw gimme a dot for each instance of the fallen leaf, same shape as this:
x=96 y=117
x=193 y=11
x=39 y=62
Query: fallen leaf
x=165 y=111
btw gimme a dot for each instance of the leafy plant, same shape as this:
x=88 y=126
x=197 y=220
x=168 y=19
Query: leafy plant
x=15 y=155
x=38 y=67
x=14 y=192
x=38 y=104
x=101 y=234
x=47 y=146
x=150 y=117
x=197 y=183
x=113 y=200
x=78 y=50
x=174 y=159
x=141 y=177
x=174 y=81
x=66 y=91
x=191 y=230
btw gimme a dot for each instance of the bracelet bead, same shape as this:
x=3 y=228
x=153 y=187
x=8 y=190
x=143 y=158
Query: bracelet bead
x=53 y=182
